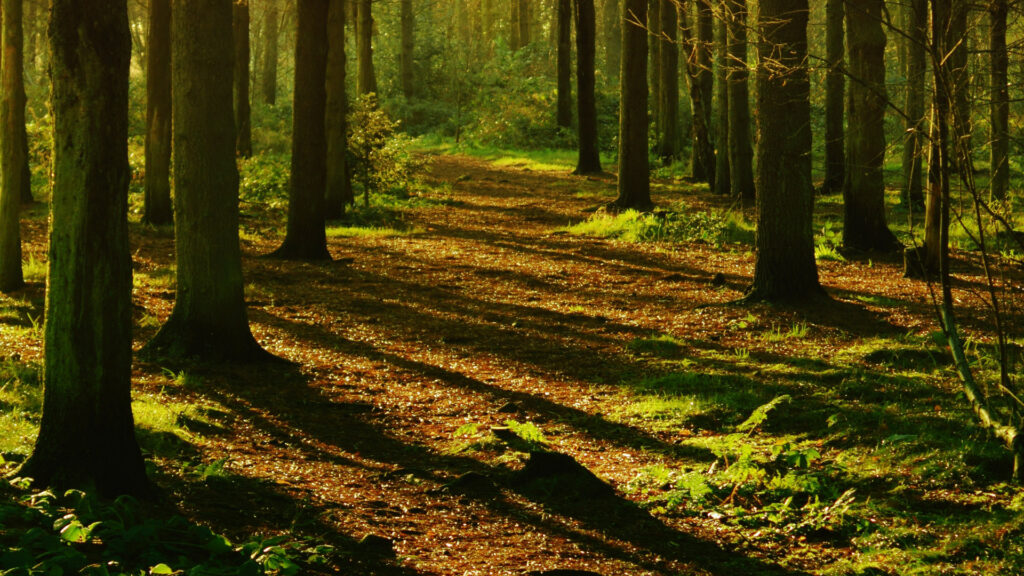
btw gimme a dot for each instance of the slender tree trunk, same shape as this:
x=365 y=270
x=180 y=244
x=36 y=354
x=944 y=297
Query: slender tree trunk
x=722 y=182
x=864 y=222
x=589 y=161
x=306 y=237
x=17 y=134
x=366 y=82
x=87 y=433
x=612 y=39
x=12 y=151
x=243 y=115
x=835 y=88
x=209 y=321
x=157 y=204
x=741 y=154
x=785 y=269
x=668 y=83
x=30 y=31
x=408 y=46
x=271 y=40
x=1000 y=106
x=702 y=157
x=564 y=65
x=514 y=41
x=700 y=102
x=654 y=48
x=339 y=181
x=960 y=80
x=944 y=39
x=634 y=168
x=525 y=18
x=915 y=124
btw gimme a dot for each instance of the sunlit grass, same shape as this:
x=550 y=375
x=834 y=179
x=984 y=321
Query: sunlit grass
x=370 y=232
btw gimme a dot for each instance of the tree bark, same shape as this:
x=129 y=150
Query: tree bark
x=864 y=222
x=835 y=88
x=243 y=113
x=366 y=81
x=408 y=46
x=157 y=199
x=703 y=166
x=944 y=39
x=87 y=434
x=306 y=237
x=12 y=152
x=514 y=42
x=722 y=179
x=668 y=83
x=654 y=47
x=611 y=21
x=914 y=104
x=999 y=110
x=564 y=65
x=702 y=157
x=271 y=40
x=785 y=269
x=209 y=321
x=589 y=161
x=525 y=18
x=339 y=181
x=634 y=185
x=17 y=132
x=741 y=154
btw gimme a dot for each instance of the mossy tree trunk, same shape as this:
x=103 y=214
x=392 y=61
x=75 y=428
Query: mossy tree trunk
x=634 y=185
x=563 y=23
x=722 y=180
x=835 y=89
x=366 y=80
x=271 y=41
x=668 y=83
x=589 y=161
x=999 y=109
x=864 y=221
x=243 y=111
x=306 y=237
x=12 y=154
x=157 y=199
x=339 y=181
x=914 y=103
x=785 y=269
x=87 y=434
x=741 y=154
x=209 y=320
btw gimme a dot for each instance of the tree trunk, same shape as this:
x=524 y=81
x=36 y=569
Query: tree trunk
x=408 y=45
x=741 y=155
x=17 y=133
x=703 y=165
x=668 y=83
x=589 y=161
x=864 y=223
x=634 y=169
x=612 y=17
x=1000 y=106
x=514 y=42
x=87 y=433
x=564 y=65
x=339 y=182
x=243 y=115
x=702 y=157
x=944 y=39
x=525 y=17
x=722 y=180
x=12 y=154
x=209 y=320
x=785 y=269
x=366 y=82
x=157 y=205
x=654 y=47
x=916 y=63
x=835 y=88
x=271 y=39
x=306 y=237
x=960 y=79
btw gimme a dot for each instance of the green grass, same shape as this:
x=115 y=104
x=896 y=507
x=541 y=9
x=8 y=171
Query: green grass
x=541 y=160
x=371 y=232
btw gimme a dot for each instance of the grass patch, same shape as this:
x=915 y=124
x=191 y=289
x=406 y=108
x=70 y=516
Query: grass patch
x=371 y=232
x=632 y=226
x=663 y=346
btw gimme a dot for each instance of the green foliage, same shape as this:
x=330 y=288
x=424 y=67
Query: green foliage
x=662 y=345
x=681 y=226
x=828 y=242
x=265 y=180
x=21 y=400
x=381 y=157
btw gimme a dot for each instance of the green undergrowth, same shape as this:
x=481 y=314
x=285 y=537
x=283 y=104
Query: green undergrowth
x=540 y=160
x=680 y=225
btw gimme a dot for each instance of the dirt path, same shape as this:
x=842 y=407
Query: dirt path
x=489 y=314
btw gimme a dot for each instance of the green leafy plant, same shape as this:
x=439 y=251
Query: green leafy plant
x=381 y=157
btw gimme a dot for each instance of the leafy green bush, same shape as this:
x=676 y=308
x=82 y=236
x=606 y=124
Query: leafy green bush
x=381 y=158
x=681 y=226
x=265 y=180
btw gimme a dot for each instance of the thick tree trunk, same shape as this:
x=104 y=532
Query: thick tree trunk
x=668 y=83
x=564 y=65
x=741 y=154
x=914 y=104
x=611 y=22
x=835 y=88
x=12 y=153
x=366 y=81
x=87 y=434
x=785 y=269
x=306 y=237
x=864 y=222
x=157 y=199
x=1000 y=106
x=271 y=39
x=722 y=180
x=589 y=161
x=408 y=47
x=243 y=114
x=634 y=168
x=339 y=182
x=209 y=320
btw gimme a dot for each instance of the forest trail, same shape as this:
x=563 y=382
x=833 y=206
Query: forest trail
x=409 y=349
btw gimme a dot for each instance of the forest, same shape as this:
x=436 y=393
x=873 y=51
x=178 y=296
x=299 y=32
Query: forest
x=511 y=287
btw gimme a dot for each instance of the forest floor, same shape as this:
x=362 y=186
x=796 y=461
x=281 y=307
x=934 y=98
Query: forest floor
x=438 y=365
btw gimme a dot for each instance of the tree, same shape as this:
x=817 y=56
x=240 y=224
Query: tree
x=612 y=38
x=525 y=18
x=408 y=45
x=634 y=169
x=785 y=269
x=999 y=108
x=15 y=133
x=209 y=320
x=564 y=66
x=366 y=81
x=271 y=37
x=306 y=237
x=668 y=83
x=835 y=88
x=722 y=182
x=589 y=161
x=12 y=154
x=339 y=182
x=702 y=157
x=87 y=433
x=654 y=47
x=243 y=115
x=157 y=199
x=916 y=61
x=864 y=224
x=741 y=154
